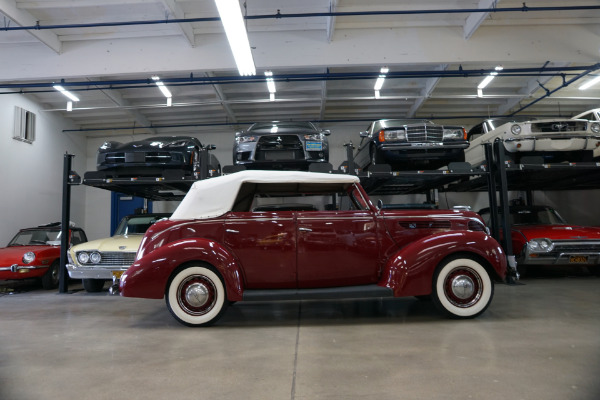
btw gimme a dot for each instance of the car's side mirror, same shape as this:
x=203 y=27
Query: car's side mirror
x=379 y=204
x=364 y=134
x=326 y=132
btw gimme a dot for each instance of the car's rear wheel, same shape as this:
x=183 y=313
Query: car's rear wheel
x=462 y=287
x=50 y=278
x=93 y=285
x=196 y=295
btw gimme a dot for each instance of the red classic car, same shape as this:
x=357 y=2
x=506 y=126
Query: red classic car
x=540 y=236
x=277 y=235
x=35 y=253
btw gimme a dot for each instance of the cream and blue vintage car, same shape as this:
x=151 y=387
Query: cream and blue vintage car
x=106 y=259
x=552 y=140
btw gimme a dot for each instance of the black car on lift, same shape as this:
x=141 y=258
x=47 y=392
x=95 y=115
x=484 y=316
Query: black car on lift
x=154 y=155
x=410 y=144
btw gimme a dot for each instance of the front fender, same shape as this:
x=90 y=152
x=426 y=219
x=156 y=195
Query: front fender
x=409 y=272
x=148 y=276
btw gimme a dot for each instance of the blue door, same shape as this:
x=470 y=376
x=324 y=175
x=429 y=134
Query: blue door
x=123 y=205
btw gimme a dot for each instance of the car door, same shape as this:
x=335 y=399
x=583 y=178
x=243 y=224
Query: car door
x=337 y=248
x=265 y=245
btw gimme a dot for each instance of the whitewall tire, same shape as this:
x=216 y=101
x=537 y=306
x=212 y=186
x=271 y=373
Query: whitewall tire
x=462 y=288
x=196 y=295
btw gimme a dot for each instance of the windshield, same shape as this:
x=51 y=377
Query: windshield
x=529 y=216
x=396 y=123
x=38 y=237
x=136 y=224
x=278 y=127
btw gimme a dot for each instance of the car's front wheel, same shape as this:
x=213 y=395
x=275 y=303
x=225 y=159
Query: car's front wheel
x=462 y=287
x=196 y=295
x=93 y=285
x=50 y=278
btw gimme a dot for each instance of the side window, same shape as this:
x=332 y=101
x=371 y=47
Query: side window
x=358 y=200
x=475 y=132
x=77 y=237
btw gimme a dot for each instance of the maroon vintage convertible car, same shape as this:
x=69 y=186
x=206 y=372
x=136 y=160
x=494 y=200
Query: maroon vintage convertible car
x=260 y=235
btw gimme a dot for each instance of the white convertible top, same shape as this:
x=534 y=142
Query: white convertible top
x=212 y=197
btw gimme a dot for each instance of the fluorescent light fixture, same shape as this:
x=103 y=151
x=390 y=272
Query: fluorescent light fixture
x=270 y=81
x=377 y=95
x=590 y=83
x=486 y=81
x=69 y=106
x=479 y=92
x=274 y=129
x=271 y=96
x=381 y=78
x=165 y=91
x=66 y=92
x=235 y=29
x=169 y=101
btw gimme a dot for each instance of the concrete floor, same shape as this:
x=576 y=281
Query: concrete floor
x=540 y=340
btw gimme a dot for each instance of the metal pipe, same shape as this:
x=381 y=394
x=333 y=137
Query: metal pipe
x=280 y=15
x=221 y=80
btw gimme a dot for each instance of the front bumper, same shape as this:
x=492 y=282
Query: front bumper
x=561 y=258
x=552 y=143
x=17 y=271
x=95 y=272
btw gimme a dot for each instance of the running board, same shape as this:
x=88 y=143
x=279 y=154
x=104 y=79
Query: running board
x=346 y=292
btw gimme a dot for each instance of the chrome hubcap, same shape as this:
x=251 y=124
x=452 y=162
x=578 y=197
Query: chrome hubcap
x=196 y=294
x=462 y=287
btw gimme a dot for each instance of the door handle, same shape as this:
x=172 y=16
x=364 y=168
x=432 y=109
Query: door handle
x=305 y=229
x=231 y=231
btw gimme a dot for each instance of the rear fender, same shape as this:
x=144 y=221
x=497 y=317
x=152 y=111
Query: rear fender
x=148 y=276
x=409 y=272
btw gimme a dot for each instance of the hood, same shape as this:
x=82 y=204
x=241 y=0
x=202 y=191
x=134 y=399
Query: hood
x=128 y=243
x=14 y=254
x=558 y=232
x=150 y=143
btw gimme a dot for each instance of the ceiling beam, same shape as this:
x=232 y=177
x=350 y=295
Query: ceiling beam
x=474 y=20
x=116 y=98
x=24 y=18
x=331 y=20
x=532 y=86
x=222 y=99
x=426 y=92
x=186 y=28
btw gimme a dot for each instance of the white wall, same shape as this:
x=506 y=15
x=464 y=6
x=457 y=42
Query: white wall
x=31 y=174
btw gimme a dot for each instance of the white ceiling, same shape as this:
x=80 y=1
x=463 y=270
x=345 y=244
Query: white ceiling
x=312 y=58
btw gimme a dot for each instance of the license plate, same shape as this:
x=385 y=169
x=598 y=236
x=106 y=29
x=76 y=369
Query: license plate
x=314 y=146
x=117 y=274
x=578 y=259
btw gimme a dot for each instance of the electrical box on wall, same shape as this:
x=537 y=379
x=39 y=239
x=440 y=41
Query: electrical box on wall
x=24 y=128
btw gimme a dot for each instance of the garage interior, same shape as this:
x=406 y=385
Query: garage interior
x=539 y=339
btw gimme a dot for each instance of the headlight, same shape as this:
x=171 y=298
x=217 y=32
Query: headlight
x=515 y=129
x=106 y=145
x=454 y=134
x=392 y=135
x=95 y=257
x=83 y=257
x=244 y=139
x=315 y=136
x=28 y=257
x=595 y=127
x=540 y=246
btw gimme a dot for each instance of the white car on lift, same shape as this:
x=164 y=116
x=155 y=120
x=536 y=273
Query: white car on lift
x=555 y=140
x=591 y=115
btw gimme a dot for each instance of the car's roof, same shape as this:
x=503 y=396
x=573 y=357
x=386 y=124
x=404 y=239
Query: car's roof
x=215 y=196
